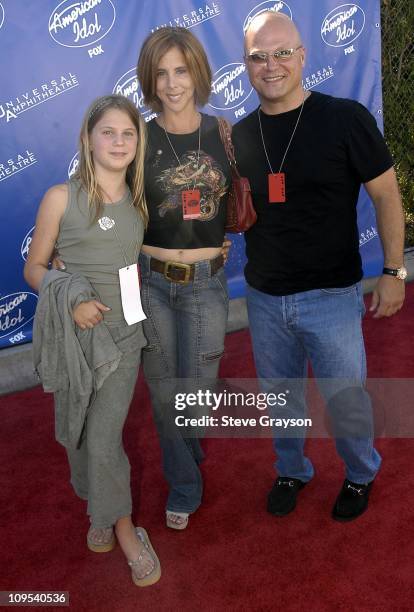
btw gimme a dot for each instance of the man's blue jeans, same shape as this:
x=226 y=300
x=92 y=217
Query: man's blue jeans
x=324 y=327
x=185 y=330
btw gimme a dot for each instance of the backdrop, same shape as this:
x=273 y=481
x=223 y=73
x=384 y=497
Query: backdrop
x=57 y=57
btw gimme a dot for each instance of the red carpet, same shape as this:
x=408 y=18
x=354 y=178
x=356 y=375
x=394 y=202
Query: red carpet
x=234 y=556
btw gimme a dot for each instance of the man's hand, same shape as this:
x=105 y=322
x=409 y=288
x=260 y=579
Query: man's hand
x=387 y=297
x=225 y=248
x=89 y=314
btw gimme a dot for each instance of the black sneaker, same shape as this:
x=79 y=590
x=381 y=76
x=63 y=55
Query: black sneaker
x=351 y=501
x=282 y=498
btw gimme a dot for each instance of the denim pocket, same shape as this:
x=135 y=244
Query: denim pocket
x=361 y=301
x=339 y=290
x=220 y=281
x=213 y=356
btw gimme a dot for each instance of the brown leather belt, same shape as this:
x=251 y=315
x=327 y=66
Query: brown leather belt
x=181 y=272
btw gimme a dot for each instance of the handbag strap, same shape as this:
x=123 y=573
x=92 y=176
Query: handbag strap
x=225 y=135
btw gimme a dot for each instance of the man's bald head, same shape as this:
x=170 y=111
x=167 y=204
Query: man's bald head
x=267 y=21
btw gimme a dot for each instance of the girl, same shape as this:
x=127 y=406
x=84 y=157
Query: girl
x=184 y=287
x=97 y=222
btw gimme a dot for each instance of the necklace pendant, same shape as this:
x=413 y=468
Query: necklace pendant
x=277 y=188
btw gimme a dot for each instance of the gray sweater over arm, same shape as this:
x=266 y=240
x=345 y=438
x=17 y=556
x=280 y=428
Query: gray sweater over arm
x=71 y=362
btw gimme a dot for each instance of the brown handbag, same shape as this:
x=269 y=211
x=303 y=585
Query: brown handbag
x=241 y=214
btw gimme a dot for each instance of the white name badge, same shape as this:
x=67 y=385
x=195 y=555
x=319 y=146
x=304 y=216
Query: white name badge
x=130 y=294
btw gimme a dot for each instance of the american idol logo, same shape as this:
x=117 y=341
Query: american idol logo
x=16 y=311
x=276 y=7
x=127 y=85
x=73 y=165
x=24 y=249
x=1 y=14
x=230 y=87
x=80 y=24
x=343 y=25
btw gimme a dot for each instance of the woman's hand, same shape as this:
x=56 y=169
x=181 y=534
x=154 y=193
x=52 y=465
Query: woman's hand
x=57 y=263
x=225 y=248
x=89 y=314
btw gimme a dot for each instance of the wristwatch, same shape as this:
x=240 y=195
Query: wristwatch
x=400 y=273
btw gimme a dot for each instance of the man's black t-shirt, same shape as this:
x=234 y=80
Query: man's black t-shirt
x=165 y=179
x=311 y=240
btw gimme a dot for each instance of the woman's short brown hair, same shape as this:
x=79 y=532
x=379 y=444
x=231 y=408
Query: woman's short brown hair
x=155 y=46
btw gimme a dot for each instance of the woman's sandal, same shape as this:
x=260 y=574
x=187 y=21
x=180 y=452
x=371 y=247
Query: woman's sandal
x=101 y=540
x=177 y=520
x=147 y=553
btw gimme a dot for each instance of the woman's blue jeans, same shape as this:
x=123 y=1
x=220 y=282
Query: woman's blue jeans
x=322 y=326
x=185 y=329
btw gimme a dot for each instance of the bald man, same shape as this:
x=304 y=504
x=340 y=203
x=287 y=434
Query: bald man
x=306 y=155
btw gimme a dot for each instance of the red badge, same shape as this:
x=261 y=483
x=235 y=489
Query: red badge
x=277 y=192
x=191 y=204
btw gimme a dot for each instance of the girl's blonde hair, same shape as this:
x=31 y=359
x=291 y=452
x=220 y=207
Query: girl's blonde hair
x=85 y=172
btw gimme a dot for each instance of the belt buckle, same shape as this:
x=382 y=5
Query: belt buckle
x=184 y=266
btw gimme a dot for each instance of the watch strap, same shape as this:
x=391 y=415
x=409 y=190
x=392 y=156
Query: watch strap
x=391 y=271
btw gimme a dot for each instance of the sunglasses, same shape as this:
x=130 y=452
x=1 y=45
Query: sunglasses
x=261 y=57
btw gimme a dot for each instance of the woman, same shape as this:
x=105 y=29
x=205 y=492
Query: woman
x=97 y=221
x=184 y=289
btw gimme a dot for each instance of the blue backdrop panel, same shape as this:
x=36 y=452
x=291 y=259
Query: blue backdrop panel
x=58 y=56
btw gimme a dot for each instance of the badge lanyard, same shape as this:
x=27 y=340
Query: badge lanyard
x=129 y=284
x=190 y=198
x=277 y=180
